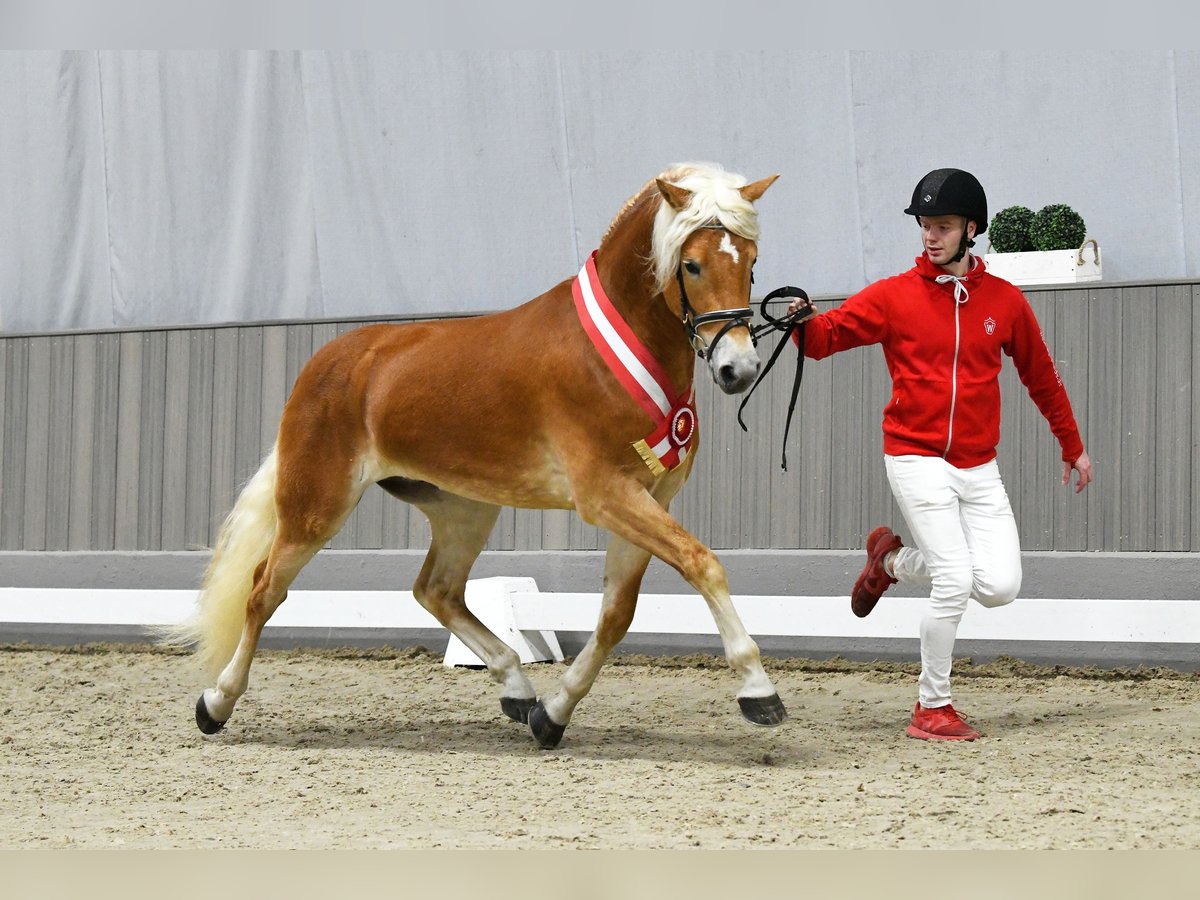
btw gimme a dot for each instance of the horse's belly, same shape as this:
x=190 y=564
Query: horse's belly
x=502 y=479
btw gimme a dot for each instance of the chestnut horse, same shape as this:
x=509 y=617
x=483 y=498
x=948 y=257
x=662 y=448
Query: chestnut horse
x=545 y=406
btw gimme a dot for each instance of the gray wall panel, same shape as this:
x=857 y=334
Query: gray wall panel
x=83 y=430
x=139 y=440
x=7 y=419
x=812 y=452
x=1172 y=425
x=1105 y=351
x=1138 y=400
x=225 y=477
x=176 y=438
x=1029 y=470
x=760 y=454
x=37 y=444
x=201 y=368
x=1070 y=350
x=1195 y=427
x=847 y=433
x=58 y=434
x=105 y=442
x=128 y=458
x=152 y=431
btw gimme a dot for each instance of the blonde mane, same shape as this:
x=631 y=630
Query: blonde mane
x=714 y=196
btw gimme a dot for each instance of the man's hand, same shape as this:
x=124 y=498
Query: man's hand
x=1083 y=466
x=801 y=309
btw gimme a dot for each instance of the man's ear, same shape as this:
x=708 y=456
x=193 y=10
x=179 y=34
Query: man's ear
x=971 y=226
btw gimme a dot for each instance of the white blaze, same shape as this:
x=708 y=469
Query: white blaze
x=727 y=246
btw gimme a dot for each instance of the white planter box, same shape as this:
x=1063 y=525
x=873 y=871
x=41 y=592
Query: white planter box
x=1048 y=266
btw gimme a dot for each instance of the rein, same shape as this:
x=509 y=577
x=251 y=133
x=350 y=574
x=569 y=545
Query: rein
x=788 y=325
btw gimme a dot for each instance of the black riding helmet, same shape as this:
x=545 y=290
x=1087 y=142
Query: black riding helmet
x=951 y=192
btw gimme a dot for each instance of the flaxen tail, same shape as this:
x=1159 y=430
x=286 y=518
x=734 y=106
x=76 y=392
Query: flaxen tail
x=244 y=540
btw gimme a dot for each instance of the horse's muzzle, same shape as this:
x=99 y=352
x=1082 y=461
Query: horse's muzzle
x=735 y=375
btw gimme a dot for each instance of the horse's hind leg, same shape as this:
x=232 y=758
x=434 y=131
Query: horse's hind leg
x=312 y=501
x=460 y=531
x=624 y=566
x=271 y=581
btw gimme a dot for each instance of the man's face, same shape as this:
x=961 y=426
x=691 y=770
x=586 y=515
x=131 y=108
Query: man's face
x=942 y=235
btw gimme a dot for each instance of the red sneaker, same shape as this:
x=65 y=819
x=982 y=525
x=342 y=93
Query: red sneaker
x=874 y=579
x=940 y=724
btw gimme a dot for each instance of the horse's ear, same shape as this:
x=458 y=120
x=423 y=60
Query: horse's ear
x=753 y=191
x=676 y=196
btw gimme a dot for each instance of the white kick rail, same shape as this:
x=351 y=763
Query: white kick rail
x=529 y=620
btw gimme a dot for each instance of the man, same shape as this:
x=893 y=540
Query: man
x=943 y=325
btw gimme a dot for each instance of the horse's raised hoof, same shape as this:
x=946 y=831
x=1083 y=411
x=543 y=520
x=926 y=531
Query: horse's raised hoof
x=207 y=723
x=763 y=710
x=517 y=708
x=547 y=732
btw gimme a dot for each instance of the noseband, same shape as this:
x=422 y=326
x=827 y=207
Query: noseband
x=692 y=322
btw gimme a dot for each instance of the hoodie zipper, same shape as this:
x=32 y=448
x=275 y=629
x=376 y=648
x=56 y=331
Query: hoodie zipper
x=960 y=287
x=953 y=382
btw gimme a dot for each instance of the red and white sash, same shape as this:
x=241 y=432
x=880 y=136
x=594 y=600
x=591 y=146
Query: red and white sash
x=674 y=417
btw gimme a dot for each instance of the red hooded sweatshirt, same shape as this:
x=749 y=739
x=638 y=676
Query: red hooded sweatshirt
x=944 y=359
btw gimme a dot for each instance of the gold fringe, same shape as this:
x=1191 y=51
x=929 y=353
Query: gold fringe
x=649 y=458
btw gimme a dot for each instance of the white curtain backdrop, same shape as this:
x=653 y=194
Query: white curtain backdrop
x=177 y=188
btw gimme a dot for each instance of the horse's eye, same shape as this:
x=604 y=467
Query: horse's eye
x=693 y=268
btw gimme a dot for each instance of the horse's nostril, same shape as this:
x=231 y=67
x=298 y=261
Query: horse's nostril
x=727 y=373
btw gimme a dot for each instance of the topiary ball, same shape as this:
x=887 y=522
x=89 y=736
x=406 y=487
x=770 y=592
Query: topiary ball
x=1009 y=230
x=1057 y=227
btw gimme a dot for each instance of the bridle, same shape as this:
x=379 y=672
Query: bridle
x=741 y=316
x=692 y=321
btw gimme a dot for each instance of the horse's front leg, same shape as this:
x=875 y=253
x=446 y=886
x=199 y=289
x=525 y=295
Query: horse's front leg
x=631 y=513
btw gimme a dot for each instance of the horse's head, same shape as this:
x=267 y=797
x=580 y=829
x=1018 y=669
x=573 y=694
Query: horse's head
x=705 y=235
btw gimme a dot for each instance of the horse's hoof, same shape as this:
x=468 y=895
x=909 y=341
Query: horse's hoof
x=546 y=730
x=517 y=708
x=763 y=710
x=207 y=723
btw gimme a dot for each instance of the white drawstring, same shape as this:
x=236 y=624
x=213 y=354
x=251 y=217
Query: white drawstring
x=961 y=294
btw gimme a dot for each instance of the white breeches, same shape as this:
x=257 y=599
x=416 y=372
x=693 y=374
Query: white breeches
x=967 y=546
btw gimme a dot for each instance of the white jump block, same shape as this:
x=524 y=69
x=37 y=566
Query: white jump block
x=490 y=599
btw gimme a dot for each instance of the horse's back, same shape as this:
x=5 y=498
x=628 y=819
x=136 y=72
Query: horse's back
x=445 y=400
x=525 y=324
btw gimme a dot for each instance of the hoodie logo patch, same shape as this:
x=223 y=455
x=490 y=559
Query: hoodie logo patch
x=989 y=324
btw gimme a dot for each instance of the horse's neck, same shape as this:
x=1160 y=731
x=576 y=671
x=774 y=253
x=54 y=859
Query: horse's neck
x=624 y=273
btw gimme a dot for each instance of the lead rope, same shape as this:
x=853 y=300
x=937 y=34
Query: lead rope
x=788 y=325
